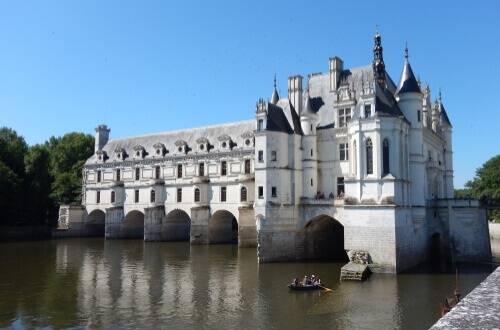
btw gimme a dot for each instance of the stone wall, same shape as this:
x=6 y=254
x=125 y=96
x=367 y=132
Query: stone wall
x=494 y=230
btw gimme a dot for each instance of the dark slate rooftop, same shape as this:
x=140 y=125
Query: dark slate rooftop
x=212 y=133
x=407 y=83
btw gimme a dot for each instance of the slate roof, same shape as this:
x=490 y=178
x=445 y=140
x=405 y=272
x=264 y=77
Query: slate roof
x=211 y=133
x=443 y=116
x=407 y=82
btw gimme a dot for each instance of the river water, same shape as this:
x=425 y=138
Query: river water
x=97 y=283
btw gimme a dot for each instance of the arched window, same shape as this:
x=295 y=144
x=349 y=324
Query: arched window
x=113 y=196
x=153 y=196
x=157 y=172
x=369 y=156
x=196 y=194
x=243 y=194
x=385 y=156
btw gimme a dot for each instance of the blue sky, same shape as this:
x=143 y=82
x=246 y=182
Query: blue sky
x=150 y=66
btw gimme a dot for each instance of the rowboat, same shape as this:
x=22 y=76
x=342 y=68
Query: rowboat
x=307 y=287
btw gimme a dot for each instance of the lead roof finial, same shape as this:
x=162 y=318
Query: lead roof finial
x=406 y=50
x=439 y=94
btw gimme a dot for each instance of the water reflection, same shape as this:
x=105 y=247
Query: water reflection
x=97 y=283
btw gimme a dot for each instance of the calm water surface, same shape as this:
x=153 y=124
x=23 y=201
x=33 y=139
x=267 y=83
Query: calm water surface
x=98 y=283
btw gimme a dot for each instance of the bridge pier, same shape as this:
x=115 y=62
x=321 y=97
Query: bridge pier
x=199 y=225
x=154 y=218
x=247 y=228
x=113 y=223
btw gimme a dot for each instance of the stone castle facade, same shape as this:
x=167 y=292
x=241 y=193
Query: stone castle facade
x=352 y=161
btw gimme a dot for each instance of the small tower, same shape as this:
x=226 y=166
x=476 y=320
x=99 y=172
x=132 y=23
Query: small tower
x=101 y=137
x=308 y=120
x=448 y=150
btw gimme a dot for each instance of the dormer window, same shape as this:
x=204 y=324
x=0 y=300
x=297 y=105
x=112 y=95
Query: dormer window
x=139 y=151
x=182 y=147
x=225 y=142
x=203 y=144
x=101 y=155
x=120 y=154
x=248 y=139
x=160 y=149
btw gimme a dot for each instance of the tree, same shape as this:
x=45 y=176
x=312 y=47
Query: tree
x=486 y=185
x=12 y=149
x=68 y=154
x=38 y=185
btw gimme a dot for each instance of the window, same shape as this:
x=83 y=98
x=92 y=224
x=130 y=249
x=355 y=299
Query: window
x=340 y=186
x=153 y=196
x=98 y=176
x=273 y=155
x=223 y=194
x=385 y=156
x=118 y=175
x=247 y=166
x=137 y=173
x=179 y=170
x=98 y=197
x=223 y=168
x=273 y=192
x=261 y=192
x=369 y=157
x=312 y=182
x=261 y=156
x=201 y=169
x=136 y=196
x=260 y=125
x=344 y=116
x=179 y=195
x=196 y=194
x=243 y=194
x=344 y=151
x=113 y=197
x=311 y=152
x=157 y=172
x=368 y=110
x=418 y=115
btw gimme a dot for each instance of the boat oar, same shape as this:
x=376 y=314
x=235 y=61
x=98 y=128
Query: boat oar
x=324 y=287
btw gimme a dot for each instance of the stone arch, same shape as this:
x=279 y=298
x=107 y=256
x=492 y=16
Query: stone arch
x=133 y=225
x=177 y=226
x=95 y=224
x=321 y=238
x=222 y=228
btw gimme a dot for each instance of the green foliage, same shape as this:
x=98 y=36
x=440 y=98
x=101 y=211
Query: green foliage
x=68 y=154
x=35 y=180
x=462 y=193
x=487 y=180
x=486 y=186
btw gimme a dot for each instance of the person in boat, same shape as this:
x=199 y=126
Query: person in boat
x=304 y=282
x=296 y=281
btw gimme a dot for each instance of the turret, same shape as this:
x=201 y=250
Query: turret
x=101 y=137
x=308 y=120
x=446 y=129
x=409 y=95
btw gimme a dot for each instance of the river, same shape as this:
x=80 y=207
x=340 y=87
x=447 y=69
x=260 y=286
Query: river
x=96 y=283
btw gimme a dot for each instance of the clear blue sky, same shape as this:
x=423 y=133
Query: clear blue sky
x=151 y=66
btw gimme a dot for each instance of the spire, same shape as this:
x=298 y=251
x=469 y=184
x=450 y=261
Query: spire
x=274 y=97
x=407 y=82
x=378 y=60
